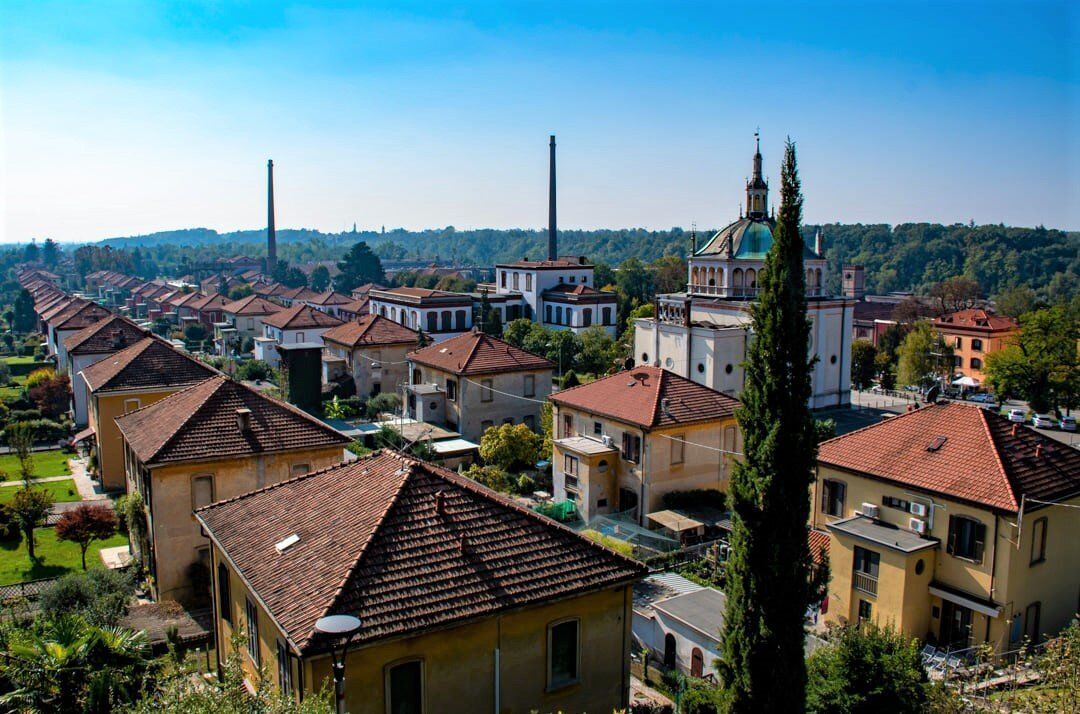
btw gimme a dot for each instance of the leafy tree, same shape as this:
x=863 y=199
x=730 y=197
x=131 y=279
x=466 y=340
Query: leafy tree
x=924 y=357
x=29 y=507
x=867 y=669
x=824 y=429
x=20 y=437
x=289 y=276
x=5 y=373
x=9 y=318
x=547 y=429
x=319 y=280
x=570 y=379
x=890 y=340
x=669 y=274
x=25 y=317
x=491 y=476
x=194 y=332
x=863 y=365
x=599 y=353
x=388 y=438
x=1015 y=301
x=1041 y=365
x=383 y=403
x=254 y=369
x=956 y=293
x=52 y=395
x=84 y=524
x=359 y=266
x=99 y=595
x=603 y=276
x=488 y=317
x=769 y=584
x=510 y=446
x=50 y=252
x=517 y=331
x=634 y=284
x=31 y=253
x=240 y=291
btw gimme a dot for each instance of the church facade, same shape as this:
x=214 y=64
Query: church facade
x=703 y=333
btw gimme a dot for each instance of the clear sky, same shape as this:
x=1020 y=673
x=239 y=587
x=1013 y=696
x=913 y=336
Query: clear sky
x=125 y=117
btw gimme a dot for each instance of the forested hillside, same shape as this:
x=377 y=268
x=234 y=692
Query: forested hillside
x=909 y=256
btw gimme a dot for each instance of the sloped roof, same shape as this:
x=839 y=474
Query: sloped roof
x=101 y=336
x=357 y=307
x=403 y=545
x=975 y=320
x=83 y=316
x=300 y=293
x=637 y=396
x=251 y=305
x=578 y=289
x=749 y=238
x=200 y=422
x=980 y=461
x=213 y=301
x=370 y=330
x=61 y=307
x=301 y=316
x=330 y=298
x=150 y=362
x=478 y=353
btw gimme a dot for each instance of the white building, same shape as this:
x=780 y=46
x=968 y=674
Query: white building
x=703 y=334
x=679 y=623
x=558 y=294
x=298 y=324
x=440 y=314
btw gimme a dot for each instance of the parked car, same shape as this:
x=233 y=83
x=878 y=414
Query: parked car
x=1043 y=421
x=982 y=398
x=1067 y=423
x=1017 y=415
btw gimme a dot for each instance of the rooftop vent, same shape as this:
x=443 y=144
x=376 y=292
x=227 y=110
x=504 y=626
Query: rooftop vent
x=243 y=419
x=283 y=545
x=937 y=443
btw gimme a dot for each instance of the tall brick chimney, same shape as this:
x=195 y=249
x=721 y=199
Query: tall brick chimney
x=271 y=234
x=553 y=233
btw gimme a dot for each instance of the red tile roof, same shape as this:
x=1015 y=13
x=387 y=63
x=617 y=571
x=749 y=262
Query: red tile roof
x=975 y=320
x=422 y=292
x=150 y=362
x=577 y=289
x=101 y=337
x=561 y=262
x=330 y=298
x=213 y=301
x=300 y=293
x=637 y=396
x=980 y=460
x=201 y=422
x=252 y=305
x=478 y=353
x=370 y=330
x=79 y=317
x=405 y=546
x=299 y=317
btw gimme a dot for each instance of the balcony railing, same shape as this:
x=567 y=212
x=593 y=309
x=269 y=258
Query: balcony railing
x=571 y=481
x=864 y=582
x=741 y=292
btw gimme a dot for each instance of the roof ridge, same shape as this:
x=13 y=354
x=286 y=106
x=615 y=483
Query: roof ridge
x=475 y=346
x=296 y=410
x=984 y=418
x=195 y=410
x=874 y=425
x=657 y=399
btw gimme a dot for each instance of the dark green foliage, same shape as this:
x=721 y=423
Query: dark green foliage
x=25 y=317
x=388 y=438
x=359 y=266
x=9 y=526
x=706 y=497
x=866 y=670
x=863 y=369
x=50 y=252
x=700 y=698
x=289 y=276
x=254 y=369
x=824 y=429
x=769 y=569
x=383 y=402
x=488 y=318
x=195 y=332
x=319 y=280
x=99 y=595
x=570 y=380
x=240 y=291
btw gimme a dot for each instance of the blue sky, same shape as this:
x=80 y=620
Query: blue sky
x=120 y=118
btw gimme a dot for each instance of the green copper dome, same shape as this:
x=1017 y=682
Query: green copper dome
x=756 y=241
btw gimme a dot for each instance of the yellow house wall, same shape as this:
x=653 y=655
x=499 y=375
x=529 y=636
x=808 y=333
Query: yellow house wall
x=991 y=342
x=459 y=662
x=104 y=408
x=177 y=535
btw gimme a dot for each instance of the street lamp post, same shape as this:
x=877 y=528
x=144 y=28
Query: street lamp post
x=339 y=626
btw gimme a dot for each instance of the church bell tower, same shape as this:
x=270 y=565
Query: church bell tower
x=757 y=191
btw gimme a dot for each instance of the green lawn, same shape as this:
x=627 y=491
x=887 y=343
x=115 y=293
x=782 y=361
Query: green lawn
x=46 y=464
x=62 y=491
x=28 y=359
x=55 y=557
x=11 y=391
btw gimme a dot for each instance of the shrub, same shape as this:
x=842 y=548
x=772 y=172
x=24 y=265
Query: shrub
x=194 y=332
x=700 y=698
x=384 y=402
x=491 y=476
x=5 y=371
x=40 y=430
x=510 y=446
x=25 y=414
x=121 y=515
x=99 y=595
x=9 y=525
x=570 y=380
x=525 y=485
x=254 y=369
x=44 y=374
x=619 y=546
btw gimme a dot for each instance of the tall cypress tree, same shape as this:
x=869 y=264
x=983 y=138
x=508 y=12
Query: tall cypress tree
x=768 y=572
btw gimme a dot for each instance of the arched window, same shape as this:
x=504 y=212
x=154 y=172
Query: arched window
x=558 y=314
x=817 y=278
x=432 y=322
x=751 y=279
x=569 y=316
x=586 y=317
x=738 y=277
x=697 y=663
x=446 y=321
x=670 y=656
x=547 y=314
x=607 y=315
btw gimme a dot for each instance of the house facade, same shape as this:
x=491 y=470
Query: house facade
x=440 y=314
x=445 y=625
x=372 y=351
x=474 y=381
x=952 y=525
x=625 y=440
x=557 y=293
x=91 y=345
x=170 y=461
x=298 y=324
x=974 y=334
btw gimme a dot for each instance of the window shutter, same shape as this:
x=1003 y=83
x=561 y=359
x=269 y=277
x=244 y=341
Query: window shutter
x=951 y=548
x=980 y=541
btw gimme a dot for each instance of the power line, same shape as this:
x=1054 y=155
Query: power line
x=702 y=446
x=506 y=394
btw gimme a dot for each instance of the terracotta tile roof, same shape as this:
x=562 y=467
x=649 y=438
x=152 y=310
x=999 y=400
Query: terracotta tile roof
x=561 y=262
x=422 y=292
x=356 y=307
x=478 y=353
x=83 y=316
x=975 y=320
x=201 y=422
x=980 y=460
x=361 y=291
x=184 y=299
x=301 y=316
x=101 y=337
x=60 y=306
x=150 y=362
x=300 y=293
x=370 y=330
x=637 y=396
x=376 y=543
x=251 y=305
x=213 y=301
x=578 y=289
x=330 y=298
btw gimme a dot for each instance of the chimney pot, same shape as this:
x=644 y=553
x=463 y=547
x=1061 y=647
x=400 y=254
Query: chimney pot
x=243 y=419
x=1015 y=427
x=440 y=502
x=1038 y=451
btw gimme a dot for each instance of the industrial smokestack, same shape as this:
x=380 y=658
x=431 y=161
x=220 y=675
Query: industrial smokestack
x=553 y=237
x=271 y=234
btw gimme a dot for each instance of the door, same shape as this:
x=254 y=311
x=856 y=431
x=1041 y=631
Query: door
x=1031 y=623
x=669 y=651
x=697 y=663
x=955 y=626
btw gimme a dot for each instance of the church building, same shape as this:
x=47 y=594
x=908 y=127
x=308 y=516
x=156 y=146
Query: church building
x=702 y=334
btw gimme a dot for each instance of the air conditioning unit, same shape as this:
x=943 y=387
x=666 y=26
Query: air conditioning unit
x=918 y=509
x=606 y=439
x=870 y=510
x=917 y=524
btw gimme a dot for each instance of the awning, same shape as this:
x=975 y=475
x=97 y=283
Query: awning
x=83 y=435
x=674 y=521
x=983 y=607
x=966 y=382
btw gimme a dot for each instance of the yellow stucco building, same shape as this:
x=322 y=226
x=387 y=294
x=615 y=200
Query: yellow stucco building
x=624 y=441
x=467 y=602
x=213 y=441
x=973 y=334
x=951 y=524
x=146 y=372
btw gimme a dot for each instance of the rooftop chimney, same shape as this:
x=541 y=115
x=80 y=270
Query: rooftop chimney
x=271 y=234
x=243 y=419
x=553 y=237
x=440 y=502
x=1038 y=451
